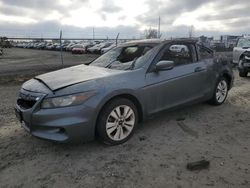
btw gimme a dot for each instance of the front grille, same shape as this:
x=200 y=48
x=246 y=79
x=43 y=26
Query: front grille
x=27 y=100
x=26 y=104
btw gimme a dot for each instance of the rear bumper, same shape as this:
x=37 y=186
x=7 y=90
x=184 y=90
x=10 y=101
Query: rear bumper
x=70 y=124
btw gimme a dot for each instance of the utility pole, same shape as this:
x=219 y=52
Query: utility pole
x=159 y=27
x=61 y=47
x=93 y=33
x=191 y=31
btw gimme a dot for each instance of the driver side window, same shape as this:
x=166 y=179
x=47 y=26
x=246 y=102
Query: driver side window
x=178 y=53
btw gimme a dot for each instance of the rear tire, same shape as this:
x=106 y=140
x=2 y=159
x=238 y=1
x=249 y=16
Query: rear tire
x=117 y=121
x=220 y=92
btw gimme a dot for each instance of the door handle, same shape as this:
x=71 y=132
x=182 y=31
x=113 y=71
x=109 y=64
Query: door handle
x=199 y=69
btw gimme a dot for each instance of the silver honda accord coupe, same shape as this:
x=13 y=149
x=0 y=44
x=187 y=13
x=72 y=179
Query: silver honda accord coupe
x=109 y=97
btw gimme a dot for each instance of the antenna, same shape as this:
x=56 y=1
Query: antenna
x=61 y=47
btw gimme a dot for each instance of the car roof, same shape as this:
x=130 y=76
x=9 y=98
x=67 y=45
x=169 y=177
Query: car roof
x=159 y=41
x=145 y=41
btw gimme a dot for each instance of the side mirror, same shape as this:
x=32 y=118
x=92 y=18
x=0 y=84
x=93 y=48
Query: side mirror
x=164 y=65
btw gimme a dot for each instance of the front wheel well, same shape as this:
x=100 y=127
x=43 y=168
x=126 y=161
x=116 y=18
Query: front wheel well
x=241 y=57
x=132 y=99
x=227 y=77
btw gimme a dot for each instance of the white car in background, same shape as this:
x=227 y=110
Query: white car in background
x=241 y=56
x=179 y=48
x=242 y=46
x=70 y=46
x=104 y=50
x=97 y=48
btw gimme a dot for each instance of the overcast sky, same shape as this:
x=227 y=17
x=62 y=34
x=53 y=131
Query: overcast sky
x=129 y=17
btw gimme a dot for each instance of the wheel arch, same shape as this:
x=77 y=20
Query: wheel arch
x=228 y=77
x=128 y=96
x=242 y=55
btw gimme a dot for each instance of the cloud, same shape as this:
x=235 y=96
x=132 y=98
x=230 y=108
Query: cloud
x=212 y=17
x=52 y=28
x=207 y=16
x=39 y=9
x=108 y=6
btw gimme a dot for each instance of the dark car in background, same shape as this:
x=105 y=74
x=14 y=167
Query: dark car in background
x=126 y=85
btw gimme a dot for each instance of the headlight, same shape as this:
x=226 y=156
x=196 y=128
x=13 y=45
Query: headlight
x=68 y=100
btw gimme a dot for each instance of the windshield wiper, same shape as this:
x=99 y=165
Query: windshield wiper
x=109 y=65
x=131 y=67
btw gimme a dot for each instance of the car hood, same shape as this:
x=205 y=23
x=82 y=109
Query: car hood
x=73 y=75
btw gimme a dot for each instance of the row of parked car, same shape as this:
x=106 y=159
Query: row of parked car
x=97 y=47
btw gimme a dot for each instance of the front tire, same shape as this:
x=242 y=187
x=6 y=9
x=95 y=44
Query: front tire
x=117 y=121
x=220 y=92
x=243 y=73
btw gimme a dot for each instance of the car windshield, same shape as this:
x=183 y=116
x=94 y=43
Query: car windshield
x=121 y=58
x=243 y=42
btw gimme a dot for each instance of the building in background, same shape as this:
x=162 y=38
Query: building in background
x=229 y=40
x=206 y=41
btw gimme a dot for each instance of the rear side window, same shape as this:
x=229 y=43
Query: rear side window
x=179 y=53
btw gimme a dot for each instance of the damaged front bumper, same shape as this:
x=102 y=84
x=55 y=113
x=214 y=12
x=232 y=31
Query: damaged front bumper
x=69 y=124
x=245 y=63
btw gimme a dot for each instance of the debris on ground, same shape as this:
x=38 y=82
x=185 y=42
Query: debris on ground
x=198 y=165
x=180 y=119
x=141 y=138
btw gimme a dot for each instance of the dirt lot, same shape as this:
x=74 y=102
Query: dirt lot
x=156 y=156
x=18 y=64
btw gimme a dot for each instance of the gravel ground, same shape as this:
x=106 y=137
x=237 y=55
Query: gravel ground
x=19 y=64
x=156 y=156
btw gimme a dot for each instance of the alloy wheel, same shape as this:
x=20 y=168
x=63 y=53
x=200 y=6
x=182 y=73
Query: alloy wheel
x=120 y=122
x=221 y=91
